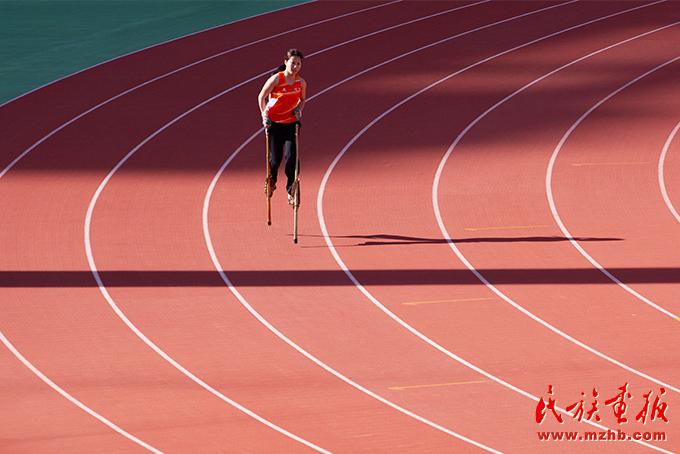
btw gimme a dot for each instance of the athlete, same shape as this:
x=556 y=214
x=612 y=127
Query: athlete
x=281 y=101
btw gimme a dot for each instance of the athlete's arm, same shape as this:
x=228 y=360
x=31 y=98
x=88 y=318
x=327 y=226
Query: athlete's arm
x=303 y=97
x=268 y=87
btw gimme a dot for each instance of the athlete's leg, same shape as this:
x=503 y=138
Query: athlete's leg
x=290 y=153
x=276 y=148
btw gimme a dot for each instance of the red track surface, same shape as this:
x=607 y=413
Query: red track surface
x=482 y=218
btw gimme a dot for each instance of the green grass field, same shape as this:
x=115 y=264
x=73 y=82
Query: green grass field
x=44 y=40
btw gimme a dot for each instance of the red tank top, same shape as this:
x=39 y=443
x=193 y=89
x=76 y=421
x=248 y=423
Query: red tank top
x=283 y=100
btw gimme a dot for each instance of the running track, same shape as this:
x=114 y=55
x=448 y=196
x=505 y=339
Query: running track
x=490 y=195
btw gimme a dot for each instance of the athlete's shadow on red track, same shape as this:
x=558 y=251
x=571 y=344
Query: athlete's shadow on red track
x=389 y=240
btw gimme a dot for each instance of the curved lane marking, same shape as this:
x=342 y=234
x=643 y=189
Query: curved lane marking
x=196 y=63
x=273 y=329
x=13 y=163
x=160 y=352
x=479 y=275
x=3 y=338
x=449 y=240
x=72 y=399
x=203 y=31
x=342 y=265
x=281 y=335
x=553 y=207
x=438 y=177
x=149 y=342
x=662 y=182
x=287 y=340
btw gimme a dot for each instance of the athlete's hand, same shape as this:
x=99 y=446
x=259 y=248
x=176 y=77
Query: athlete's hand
x=266 y=122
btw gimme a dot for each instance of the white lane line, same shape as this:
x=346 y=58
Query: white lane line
x=449 y=240
x=281 y=335
x=72 y=399
x=154 y=347
x=5 y=341
x=443 y=162
x=146 y=340
x=213 y=56
x=478 y=274
x=662 y=182
x=205 y=210
x=163 y=76
x=553 y=207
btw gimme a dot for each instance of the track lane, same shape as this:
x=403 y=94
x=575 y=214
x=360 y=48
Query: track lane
x=405 y=209
x=396 y=441
x=669 y=169
x=32 y=413
x=246 y=240
x=78 y=279
x=509 y=224
x=580 y=322
x=628 y=181
x=111 y=80
x=168 y=185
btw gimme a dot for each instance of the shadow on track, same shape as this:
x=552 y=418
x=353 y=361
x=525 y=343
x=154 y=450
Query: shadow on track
x=327 y=278
x=390 y=240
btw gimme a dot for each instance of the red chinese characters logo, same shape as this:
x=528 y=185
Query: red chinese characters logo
x=658 y=408
x=619 y=404
x=542 y=407
x=579 y=408
x=652 y=409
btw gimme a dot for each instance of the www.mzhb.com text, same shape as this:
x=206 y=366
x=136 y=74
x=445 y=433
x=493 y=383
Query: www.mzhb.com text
x=608 y=435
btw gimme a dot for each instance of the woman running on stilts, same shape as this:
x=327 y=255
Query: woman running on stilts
x=281 y=101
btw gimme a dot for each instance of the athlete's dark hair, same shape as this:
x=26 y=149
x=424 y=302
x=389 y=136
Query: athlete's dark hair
x=294 y=53
x=290 y=54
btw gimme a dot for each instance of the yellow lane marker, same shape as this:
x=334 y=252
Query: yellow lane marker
x=677 y=318
x=608 y=164
x=508 y=227
x=448 y=301
x=401 y=388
